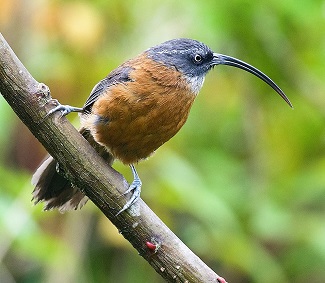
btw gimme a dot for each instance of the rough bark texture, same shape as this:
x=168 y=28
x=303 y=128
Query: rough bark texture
x=103 y=185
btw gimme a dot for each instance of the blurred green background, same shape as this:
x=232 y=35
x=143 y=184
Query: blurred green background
x=242 y=184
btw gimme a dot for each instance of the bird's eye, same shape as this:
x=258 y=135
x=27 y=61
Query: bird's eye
x=198 y=58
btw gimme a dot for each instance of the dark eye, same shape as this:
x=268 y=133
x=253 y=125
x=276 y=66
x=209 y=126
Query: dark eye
x=198 y=58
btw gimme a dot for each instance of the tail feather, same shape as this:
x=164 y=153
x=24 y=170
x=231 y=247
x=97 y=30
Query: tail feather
x=56 y=191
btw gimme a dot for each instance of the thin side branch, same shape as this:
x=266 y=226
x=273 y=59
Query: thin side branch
x=30 y=100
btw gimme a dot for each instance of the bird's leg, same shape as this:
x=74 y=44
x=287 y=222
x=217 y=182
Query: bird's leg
x=135 y=187
x=65 y=109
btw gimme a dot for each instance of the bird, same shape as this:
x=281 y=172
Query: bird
x=134 y=110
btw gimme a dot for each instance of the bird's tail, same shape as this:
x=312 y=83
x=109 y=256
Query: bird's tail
x=56 y=191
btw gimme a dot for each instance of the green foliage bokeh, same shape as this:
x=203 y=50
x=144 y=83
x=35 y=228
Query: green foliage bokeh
x=242 y=184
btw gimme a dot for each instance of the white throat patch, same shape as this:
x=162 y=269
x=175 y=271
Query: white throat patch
x=196 y=83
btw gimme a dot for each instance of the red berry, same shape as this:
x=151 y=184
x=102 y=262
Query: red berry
x=151 y=246
x=221 y=280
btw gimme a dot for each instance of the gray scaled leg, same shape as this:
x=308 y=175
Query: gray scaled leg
x=135 y=187
x=65 y=109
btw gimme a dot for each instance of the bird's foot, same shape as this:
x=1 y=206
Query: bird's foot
x=64 y=109
x=135 y=187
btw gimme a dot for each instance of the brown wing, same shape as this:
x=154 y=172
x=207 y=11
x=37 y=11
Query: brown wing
x=119 y=75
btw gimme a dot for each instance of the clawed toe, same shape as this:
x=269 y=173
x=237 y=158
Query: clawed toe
x=64 y=109
x=135 y=187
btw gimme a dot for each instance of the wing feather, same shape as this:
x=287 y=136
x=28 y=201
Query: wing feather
x=117 y=76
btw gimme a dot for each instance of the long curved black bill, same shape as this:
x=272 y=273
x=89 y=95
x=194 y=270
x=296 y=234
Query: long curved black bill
x=220 y=59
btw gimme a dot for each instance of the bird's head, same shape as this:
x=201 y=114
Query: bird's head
x=194 y=59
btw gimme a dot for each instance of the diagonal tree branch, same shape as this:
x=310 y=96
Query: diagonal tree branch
x=103 y=185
